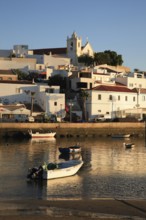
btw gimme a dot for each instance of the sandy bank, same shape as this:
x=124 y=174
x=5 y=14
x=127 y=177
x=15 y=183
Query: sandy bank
x=73 y=209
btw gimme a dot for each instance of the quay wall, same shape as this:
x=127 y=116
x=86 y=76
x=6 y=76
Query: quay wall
x=79 y=129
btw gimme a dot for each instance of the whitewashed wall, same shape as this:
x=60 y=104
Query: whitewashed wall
x=107 y=106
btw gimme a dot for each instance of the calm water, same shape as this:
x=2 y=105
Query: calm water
x=109 y=170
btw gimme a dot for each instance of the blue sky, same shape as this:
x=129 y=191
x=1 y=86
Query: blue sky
x=118 y=25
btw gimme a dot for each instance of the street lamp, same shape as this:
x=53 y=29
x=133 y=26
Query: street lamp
x=61 y=111
x=32 y=99
x=70 y=110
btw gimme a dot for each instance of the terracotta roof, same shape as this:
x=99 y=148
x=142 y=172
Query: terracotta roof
x=47 y=51
x=142 y=91
x=12 y=107
x=113 y=89
x=6 y=72
x=16 y=82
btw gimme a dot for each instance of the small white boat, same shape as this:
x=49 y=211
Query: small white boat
x=55 y=170
x=128 y=145
x=69 y=150
x=41 y=134
x=120 y=135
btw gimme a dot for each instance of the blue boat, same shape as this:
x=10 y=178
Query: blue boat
x=71 y=149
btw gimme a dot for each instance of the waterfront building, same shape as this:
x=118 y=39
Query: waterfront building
x=51 y=101
x=115 y=101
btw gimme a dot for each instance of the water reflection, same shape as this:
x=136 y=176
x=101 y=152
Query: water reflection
x=42 y=140
x=109 y=169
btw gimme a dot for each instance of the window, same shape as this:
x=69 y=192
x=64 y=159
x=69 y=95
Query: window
x=17 y=90
x=49 y=90
x=55 y=103
x=130 y=84
x=118 y=97
x=134 y=99
x=126 y=98
x=110 y=97
x=99 y=97
x=143 y=98
x=71 y=45
x=81 y=85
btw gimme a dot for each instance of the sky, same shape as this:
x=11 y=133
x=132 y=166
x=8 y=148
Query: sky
x=116 y=25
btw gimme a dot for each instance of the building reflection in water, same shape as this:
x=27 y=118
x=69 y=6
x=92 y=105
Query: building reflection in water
x=109 y=169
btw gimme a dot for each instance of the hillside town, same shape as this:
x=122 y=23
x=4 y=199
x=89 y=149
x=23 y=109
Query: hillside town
x=91 y=93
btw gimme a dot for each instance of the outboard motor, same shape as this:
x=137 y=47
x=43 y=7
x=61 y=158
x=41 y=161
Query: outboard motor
x=35 y=173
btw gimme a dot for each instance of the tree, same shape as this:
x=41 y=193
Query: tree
x=21 y=75
x=32 y=76
x=101 y=58
x=86 y=60
x=58 y=80
x=108 y=57
x=84 y=96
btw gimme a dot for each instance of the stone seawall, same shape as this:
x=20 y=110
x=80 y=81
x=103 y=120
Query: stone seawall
x=78 y=129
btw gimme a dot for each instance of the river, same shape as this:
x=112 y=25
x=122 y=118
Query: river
x=109 y=170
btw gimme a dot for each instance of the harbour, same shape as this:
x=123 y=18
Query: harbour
x=136 y=129
x=109 y=170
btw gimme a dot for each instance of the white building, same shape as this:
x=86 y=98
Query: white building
x=88 y=78
x=133 y=80
x=114 y=100
x=75 y=48
x=48 y=98
x=17 y=63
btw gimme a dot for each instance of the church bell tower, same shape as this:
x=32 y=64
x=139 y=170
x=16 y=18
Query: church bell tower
x=74 y=45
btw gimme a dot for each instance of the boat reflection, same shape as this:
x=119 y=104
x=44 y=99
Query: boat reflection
x=70 y=156
x=41 y=140
x=69 y=185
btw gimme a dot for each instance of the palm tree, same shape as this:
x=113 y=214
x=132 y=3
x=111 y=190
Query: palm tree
x=84 y=96
x=32 y=99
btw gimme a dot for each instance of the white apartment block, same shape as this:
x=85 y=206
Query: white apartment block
x=17 y=63
x=48 y=98
x=114 y=101
x=133 y=80
x=86 y=78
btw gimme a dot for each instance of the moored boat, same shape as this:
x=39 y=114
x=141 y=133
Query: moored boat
x=41 y=134
x=55 y=170
x=120 y=135
x=128 y=145
x=71 y=149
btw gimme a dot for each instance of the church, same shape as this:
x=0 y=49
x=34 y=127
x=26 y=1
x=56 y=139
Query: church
x=73 y=49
